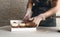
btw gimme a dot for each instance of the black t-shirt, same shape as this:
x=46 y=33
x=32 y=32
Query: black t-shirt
x=41 y=6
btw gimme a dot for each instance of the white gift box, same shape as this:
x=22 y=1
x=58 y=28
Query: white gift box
x=23 y=29
x=16 y=23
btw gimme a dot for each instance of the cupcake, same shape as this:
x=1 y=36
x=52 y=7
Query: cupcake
x=27 y=24
x=30 y=24
x=22 y=25
x=14 y=25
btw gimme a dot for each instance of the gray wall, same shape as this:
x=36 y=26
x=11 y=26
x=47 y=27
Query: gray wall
x=11 y=9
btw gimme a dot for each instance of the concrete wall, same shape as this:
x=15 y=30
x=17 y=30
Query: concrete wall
x=11 y=9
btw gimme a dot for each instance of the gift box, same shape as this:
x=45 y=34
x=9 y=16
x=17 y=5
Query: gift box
x=19 y=25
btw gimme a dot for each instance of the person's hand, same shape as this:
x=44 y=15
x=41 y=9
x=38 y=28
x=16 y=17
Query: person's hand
x=37 y=20
x=26 y=18
x=27 y=15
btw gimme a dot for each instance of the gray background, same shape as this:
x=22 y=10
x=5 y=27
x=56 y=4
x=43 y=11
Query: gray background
x=11 y=10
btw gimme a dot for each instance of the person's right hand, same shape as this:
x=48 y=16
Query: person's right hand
x=26 y=18
x=28 y=15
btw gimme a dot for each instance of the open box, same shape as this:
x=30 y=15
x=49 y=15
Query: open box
x=15 y=26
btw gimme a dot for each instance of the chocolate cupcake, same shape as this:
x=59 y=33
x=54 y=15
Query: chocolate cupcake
x=27 y=24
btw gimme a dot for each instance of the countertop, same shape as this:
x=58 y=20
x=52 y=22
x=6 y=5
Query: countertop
x=5 y=32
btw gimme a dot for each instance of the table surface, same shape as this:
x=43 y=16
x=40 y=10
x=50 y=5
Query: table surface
x=5 y=32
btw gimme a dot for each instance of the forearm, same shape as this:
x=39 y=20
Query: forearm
x=28 y=11
x=50 y=12
x=29 y=7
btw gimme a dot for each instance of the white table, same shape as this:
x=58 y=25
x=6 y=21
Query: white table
x=5 y=32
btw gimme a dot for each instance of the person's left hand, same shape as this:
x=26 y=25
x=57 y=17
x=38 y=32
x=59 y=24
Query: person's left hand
x=37 y=20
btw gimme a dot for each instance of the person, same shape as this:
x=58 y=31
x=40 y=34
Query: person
x=43 y=12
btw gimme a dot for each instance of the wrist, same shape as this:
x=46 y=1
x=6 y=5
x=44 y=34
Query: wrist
x=42 y=16
x=28 y=12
